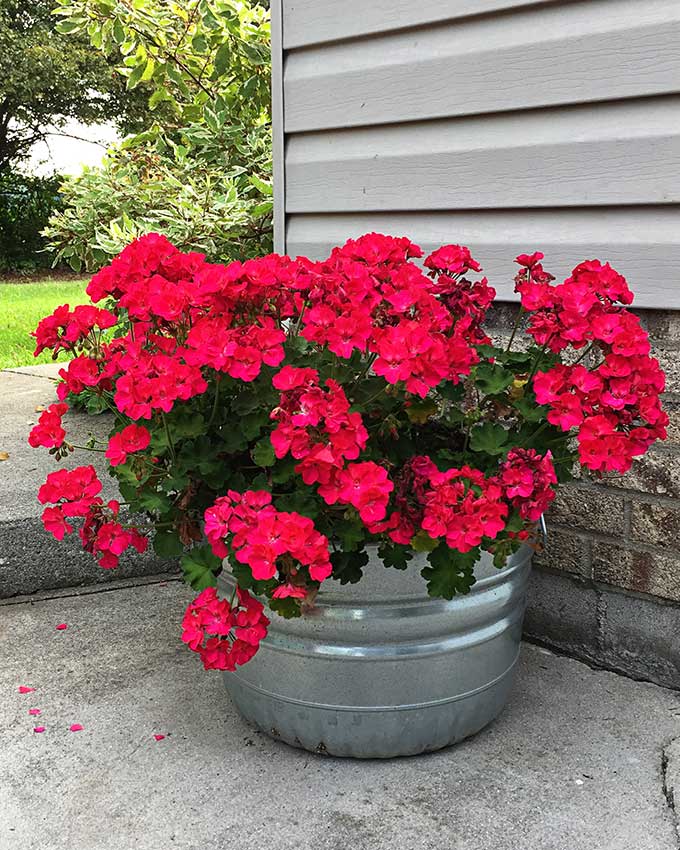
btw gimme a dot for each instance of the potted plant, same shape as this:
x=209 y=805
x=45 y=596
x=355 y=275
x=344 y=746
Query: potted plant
x=350 y=469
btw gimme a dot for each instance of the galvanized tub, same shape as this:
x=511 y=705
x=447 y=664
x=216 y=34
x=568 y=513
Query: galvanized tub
x=379 y=669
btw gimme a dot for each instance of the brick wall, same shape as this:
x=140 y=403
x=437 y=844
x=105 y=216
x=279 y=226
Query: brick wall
x=620 y=534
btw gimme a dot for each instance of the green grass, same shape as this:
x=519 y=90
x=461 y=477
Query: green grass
x=22 y=306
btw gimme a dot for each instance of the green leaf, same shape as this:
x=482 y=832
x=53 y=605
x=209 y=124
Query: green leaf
x=420 y=410
x=393 y=555
x=232 y=440
x=422 y=542
x=350 y=534
x=518 y=359
x=127 y=491
x=68 y=26
x=200 y=567
x=184 y=425
x=157 y=97
x=489 y=351
x=167 y=544
x=263 y=453
x=348 y=566
x=177 y=480
x=450 y=572
x=253 y=423
x=148 y=71
x=492 y=378
x=118 y=32
x=199 y=43
x=451 y=391
x=154 y=502
x=262 y=209
x=530 y=409
x=284 y=470
x=211 y=119
x=301 y=502
x=500 y=556
x=514 y=522
x=287 y=608
x=265 y=188
x=490 y=438
x=136 y=75
x=222 y=58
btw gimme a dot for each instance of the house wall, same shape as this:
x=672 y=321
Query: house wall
x=509 y=126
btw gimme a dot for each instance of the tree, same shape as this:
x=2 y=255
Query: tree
x=200 y=173
x=47 y=78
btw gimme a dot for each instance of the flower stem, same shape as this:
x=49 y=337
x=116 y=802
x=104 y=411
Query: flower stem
x=539 y=430
x=587 y=351
x=537 y=362
x=515 y=328
x=215 y=403
x=167 y=434
x=369 y=362
x=374 y=397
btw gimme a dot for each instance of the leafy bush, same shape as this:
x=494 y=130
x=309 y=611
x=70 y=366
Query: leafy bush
x=26 y=204
x=201 y=174
x=190 y=192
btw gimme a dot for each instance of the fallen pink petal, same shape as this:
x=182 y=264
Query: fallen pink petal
x=75 y=727
x=24 y=689
x=34 y=711
x=62 y=626
x=159 y=737
x=38 y=728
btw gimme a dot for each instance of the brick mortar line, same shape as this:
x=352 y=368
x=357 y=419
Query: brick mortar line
x=625 y=493
x=588 y=547
x=601 y=537
x=627 y=520
x=601 y=587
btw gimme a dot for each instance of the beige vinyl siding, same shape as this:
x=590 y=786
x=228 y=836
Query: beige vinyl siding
x=503 y=125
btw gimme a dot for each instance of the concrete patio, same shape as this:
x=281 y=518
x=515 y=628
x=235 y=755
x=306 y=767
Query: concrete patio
x=581 y=758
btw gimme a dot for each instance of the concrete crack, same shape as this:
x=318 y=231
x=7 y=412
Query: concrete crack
x=92 y=589
x=669 y=765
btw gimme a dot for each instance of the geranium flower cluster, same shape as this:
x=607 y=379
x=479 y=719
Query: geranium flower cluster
x=614 y=405
x=368 y=297
x=75 y=493
x=467 y=301
x=463 y=506
x=269 y=541
x=361 y=389
x=65 y=329
x=224 y=636
x=528 y=481
x=132 y=439
x=49 y=432
x=317 y=428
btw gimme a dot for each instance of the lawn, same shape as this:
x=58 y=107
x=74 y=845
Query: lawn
x=22 y=305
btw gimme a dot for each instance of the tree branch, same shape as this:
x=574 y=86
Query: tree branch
x=77 y=138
